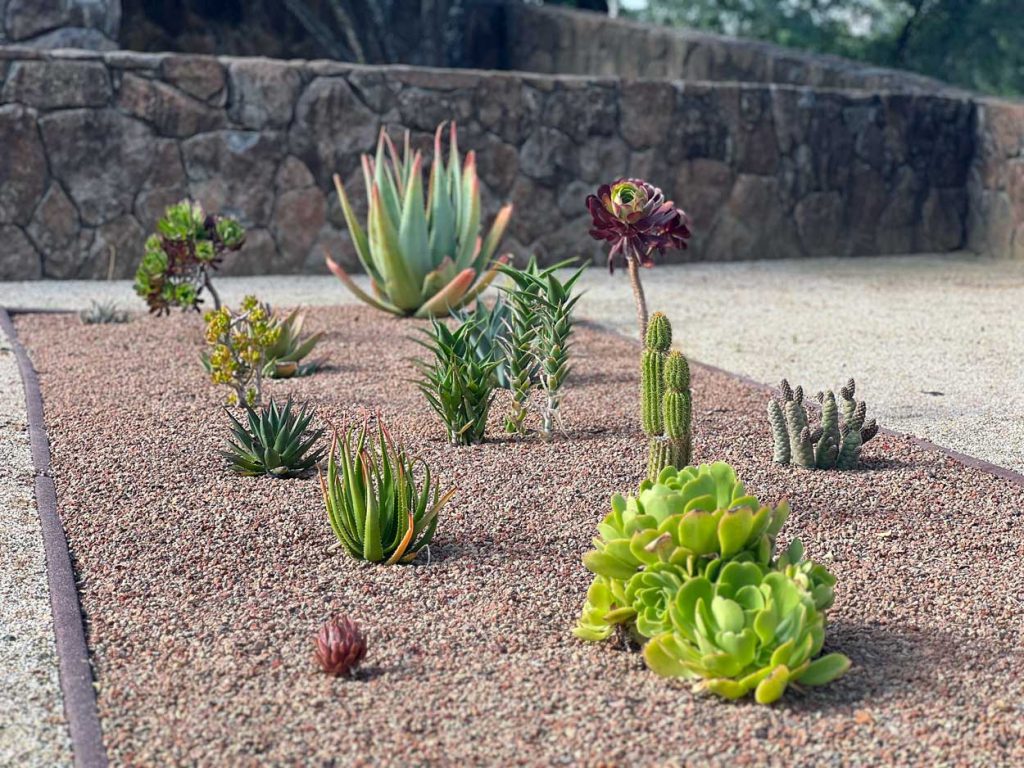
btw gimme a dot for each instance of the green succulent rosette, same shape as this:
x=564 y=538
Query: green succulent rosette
x=698 y=526
x=749 y=630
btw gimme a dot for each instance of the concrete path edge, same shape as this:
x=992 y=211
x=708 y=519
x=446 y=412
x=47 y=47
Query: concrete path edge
x=927 y=445
x=76 y=678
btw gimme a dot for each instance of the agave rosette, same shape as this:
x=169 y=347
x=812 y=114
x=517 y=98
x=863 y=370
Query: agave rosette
x=274 y=441
x=424 y=257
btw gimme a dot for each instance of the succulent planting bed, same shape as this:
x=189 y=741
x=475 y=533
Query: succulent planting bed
x=202 y=588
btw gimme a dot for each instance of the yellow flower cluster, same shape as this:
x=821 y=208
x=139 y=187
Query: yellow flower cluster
x=239 y=344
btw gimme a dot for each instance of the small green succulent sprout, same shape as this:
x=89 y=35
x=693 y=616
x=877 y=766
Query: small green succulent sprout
x=285 y=356
x=748 y=630
x=178 y=259
x=377 y=508
x=102 y=313
x=274 y=441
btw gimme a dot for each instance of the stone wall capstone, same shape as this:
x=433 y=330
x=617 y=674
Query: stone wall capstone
x=90 y=24
x=563 y=41
x=97 y=144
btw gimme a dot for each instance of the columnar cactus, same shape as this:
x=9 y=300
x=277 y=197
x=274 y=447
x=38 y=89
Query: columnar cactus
x=831 y=445
x=665 y=403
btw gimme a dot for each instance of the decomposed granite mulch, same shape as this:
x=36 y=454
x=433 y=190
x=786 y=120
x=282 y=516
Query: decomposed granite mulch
x=202 y=589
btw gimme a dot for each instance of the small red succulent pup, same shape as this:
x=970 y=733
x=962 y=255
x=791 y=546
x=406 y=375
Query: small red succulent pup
x=339 y=646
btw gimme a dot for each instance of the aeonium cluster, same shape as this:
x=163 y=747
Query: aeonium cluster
x=688 y=569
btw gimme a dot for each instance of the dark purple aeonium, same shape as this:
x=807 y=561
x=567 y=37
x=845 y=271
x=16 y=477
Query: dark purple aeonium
x=637 y=220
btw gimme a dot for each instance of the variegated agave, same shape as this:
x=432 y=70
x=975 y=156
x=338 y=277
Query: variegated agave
x=424 y=257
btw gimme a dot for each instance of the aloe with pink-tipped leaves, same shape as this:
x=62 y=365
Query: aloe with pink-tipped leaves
x=424 y=254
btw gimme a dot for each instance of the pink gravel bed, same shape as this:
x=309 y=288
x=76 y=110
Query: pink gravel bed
x=202 y=589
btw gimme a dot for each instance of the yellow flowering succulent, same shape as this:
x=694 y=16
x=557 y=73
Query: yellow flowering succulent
x=238 y=348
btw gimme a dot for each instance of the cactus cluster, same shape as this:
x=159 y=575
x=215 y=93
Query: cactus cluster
x=688 y=568
x=835 y=443
x=665 y=402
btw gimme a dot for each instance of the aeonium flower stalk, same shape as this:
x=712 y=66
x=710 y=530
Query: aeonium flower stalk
x=637 y=220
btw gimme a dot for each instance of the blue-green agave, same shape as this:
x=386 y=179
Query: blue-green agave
x=424 y=257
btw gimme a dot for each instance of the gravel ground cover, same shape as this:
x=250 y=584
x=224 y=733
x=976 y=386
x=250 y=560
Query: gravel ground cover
x=33 y=731
x=202 y=589
x=928 y=338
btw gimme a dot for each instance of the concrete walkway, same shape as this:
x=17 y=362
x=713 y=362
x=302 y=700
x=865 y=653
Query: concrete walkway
x=935 y=342
x=33 y=731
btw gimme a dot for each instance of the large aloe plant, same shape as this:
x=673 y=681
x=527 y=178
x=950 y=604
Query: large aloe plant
x=425 y=257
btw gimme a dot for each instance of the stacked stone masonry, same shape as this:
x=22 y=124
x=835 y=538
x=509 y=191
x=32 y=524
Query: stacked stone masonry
x=97 y=144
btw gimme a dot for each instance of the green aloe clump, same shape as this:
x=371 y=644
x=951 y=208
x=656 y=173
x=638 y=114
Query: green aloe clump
x=285 y=356
x=492 y=324
x=457 y=383
x=178 y=259
x=425 y=257
x=274 y=441
x=377 y=508
x=698 y=525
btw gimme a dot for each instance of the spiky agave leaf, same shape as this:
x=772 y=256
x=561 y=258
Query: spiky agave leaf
x=424 y=257
x=274 y=441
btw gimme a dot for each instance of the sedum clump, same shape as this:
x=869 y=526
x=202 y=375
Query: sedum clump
x=457 y=382
x=273 y=441
x=378 y=509
x=178 y=259
x=835 y=443
x=425 y=255
x=665 y=400
x=688 y=568
x=237 y=348
x=285 y=356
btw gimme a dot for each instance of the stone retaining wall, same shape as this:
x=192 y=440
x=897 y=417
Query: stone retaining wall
x=563 y=41
x=996 y=184
x=97 y=144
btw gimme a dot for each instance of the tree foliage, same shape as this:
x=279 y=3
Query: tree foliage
x=977 y=44
x=972 y=43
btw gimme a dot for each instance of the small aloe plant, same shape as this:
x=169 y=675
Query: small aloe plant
x=424 y=257
x=377 y=508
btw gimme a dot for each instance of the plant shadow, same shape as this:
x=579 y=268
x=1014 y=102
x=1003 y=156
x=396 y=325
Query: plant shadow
x=887 y=662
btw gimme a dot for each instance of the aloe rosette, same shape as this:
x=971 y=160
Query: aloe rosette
x=748 y=630
x=424 y=257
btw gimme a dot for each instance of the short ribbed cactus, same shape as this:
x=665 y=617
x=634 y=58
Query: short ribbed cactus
x=664 y=399
x=830 y=445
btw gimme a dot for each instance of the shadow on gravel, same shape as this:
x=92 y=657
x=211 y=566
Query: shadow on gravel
x=889 y=663
x=875 y=463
